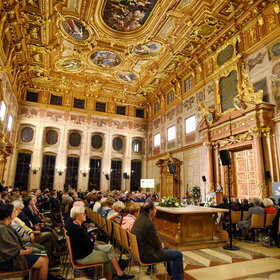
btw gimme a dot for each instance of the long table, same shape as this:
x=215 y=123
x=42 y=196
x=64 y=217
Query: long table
x=191 y=227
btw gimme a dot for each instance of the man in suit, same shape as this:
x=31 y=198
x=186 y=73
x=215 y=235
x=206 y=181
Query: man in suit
x=151 y=249
x=256 y=209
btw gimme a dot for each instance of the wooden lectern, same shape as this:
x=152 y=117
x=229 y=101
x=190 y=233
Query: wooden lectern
x=170 y=176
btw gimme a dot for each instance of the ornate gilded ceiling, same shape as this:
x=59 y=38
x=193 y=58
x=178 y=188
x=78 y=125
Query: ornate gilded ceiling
x=121 y=50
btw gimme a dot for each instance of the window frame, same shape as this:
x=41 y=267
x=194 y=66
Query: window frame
x=188 y=83
x=188 y=118
x=157 y=135
x=168 y=133
x=170 y=97
x=156 y=107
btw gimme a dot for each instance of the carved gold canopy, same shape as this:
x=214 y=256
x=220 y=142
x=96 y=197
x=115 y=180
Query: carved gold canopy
x=124 y=51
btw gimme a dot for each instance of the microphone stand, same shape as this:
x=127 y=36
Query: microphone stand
x=230 y=246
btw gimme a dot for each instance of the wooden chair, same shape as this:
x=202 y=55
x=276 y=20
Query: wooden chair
x=124 y=239
x=268 y=219
x=15 y=274
x=82 y=266
x=235 y=217
x=244 y=216
x=136 y=255
x=99 y=224
x=257 y=222
x=104 y=225
x=117 y=233
x=110 y=230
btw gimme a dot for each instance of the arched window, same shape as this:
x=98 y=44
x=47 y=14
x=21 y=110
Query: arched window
x=136 y=146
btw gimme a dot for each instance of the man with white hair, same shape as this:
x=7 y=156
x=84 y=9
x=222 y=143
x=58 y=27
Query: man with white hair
x=245 y=225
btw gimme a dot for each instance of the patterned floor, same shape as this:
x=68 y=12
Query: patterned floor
x=252 y=262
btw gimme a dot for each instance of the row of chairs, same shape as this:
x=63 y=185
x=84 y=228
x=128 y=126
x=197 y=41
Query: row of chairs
x=119 y=236
x=258 y=221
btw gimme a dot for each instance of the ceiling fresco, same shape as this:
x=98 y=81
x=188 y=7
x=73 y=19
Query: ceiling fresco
x=127 y=15
x=129 y=51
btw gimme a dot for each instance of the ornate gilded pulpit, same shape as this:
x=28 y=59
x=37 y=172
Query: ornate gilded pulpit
x=170 y=176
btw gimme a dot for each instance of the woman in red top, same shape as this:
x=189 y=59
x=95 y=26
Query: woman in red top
x=268 y=206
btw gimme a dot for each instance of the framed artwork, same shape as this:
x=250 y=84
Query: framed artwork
x=70 y=65
x=75 y=29
x=148 y=48
x=127 y=15
x=105 y=59
x=127 y=76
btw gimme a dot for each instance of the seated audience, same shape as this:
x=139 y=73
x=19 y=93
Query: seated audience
x=245 y=205
x=115 y=214
x=97 y=203
x=108 y=204
x=84 y=250
x=4 y=197
x=12 y=251
x=128 y=220
x=151 y=248
x=43 y=241
x=245 y=225
x=269 y=206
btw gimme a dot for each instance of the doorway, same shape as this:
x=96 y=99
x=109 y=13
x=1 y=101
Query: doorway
x=244 y=174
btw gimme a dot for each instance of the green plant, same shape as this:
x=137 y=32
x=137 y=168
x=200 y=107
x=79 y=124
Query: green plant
x=195 y=192
x=170 y=201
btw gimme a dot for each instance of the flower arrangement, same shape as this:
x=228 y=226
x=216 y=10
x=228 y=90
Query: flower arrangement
x=195 y=192
x=170 y=201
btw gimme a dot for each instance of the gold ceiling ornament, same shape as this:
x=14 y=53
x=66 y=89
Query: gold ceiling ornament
x=203 y=31
x=247 y=92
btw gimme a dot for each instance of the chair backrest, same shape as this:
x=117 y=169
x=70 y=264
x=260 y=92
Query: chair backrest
x=94 y=218
x=134 y=246
x=257 y=221
x=87 y=212
x=109 y=227
x=124 y=238
x=68 y=242
x=245 y=214
x=104 y=224
x=268 y=219
x=117 y=233
x=235 y=216
x=99 y=220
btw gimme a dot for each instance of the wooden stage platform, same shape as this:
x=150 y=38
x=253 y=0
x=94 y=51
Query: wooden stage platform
x=191 y=227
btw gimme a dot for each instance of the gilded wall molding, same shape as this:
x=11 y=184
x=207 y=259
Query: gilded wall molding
x=247 y=136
